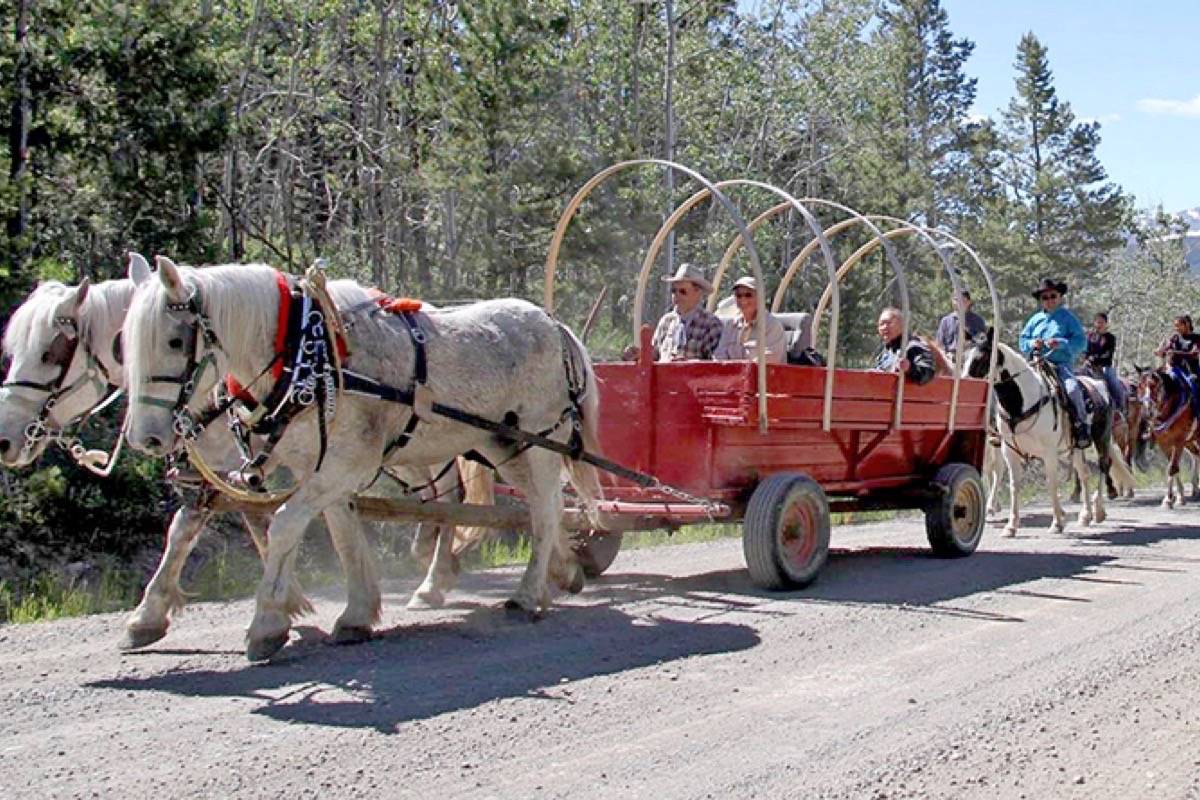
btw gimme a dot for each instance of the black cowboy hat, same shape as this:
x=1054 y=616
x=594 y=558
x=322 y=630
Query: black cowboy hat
x=1050 y=285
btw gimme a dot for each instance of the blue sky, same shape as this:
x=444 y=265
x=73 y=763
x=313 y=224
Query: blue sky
x=1132 y=66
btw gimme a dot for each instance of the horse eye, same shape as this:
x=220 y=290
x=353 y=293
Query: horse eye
x=176 y=343
x=46 y=357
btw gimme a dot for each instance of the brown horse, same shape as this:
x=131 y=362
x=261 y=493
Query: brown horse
x=1167 y=403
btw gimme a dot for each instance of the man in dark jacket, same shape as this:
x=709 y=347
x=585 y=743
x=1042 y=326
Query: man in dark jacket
x=914 y=360
x=947 y=332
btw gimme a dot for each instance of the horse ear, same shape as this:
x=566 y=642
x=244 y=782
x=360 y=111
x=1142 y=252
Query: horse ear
x=139 y=269
x=171 y=279
x=68 y=307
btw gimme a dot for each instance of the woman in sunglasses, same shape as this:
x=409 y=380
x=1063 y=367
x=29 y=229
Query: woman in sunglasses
x=1057 y=336
x=739 y=338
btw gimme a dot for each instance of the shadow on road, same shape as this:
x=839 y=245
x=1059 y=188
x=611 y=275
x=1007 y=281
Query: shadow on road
x=414 y=672
x=908 y=577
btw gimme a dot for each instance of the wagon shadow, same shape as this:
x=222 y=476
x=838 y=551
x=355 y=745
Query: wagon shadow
x=907 y=577
x=414 y=672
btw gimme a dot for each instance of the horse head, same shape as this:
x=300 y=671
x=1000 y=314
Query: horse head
x=64 y=360
x=185 y=329
x=978 y=360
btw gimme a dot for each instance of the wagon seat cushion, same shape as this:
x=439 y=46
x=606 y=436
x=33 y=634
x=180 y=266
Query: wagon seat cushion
x=798 y=327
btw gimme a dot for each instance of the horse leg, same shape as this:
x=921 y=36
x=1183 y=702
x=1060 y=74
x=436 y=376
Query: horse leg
x=441 y=572
x=149 y=621
x=1082 y=476
x=1058 y=521
x=1172 y=471
x=536 y=474
x=268 y=631
x=362 y=575
x=994 y=476
x=1014 y=500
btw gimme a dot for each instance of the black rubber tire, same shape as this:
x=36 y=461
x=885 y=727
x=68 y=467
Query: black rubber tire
x=785 y=534
x=954 y=522
x=596 y=551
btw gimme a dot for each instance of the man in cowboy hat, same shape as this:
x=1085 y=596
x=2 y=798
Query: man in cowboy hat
x=687 y=331
x=1056 y=335
x=739 y=338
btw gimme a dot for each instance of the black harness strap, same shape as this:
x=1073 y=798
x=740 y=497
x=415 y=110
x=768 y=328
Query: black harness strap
x=420 y=376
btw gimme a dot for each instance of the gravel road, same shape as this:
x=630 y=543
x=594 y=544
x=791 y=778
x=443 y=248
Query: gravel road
x=1049 y=666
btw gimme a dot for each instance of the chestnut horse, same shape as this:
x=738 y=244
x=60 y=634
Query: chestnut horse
x=1172 y=424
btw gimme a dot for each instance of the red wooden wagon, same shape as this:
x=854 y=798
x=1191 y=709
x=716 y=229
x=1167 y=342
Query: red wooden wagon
x=778 y=447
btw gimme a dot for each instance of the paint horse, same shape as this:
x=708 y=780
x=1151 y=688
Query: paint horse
x=1034 y=423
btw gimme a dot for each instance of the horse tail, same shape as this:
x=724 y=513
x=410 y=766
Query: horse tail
x=1122 y=476
x=479 y=487
x=581 y=381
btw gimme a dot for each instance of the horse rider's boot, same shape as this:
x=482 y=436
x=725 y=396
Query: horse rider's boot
x=1081 y=432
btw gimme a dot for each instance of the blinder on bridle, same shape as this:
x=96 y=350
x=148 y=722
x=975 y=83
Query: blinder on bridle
x=190 y=314
x=61 y=354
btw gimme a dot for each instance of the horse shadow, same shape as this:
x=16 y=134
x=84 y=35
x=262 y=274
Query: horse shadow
x=415 y=672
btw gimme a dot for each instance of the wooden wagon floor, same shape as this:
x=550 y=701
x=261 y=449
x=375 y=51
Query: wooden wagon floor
x=1046 y=666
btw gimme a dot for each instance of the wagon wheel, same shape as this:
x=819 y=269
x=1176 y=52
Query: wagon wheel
x=954 y=522
x=785 y=535
x=596 y=551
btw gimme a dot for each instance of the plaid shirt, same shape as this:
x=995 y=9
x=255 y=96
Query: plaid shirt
x=701 y=331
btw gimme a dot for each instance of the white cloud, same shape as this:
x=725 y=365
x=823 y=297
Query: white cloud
x=1175 y=108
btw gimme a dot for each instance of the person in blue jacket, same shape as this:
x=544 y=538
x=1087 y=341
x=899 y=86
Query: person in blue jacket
x=1056 y=335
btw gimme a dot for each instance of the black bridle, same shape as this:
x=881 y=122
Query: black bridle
x=62 y=351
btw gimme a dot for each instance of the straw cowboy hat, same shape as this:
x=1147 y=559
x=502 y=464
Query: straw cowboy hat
x=1049 y=285
x=692 y=274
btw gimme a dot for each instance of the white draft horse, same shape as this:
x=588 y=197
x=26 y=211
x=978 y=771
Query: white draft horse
x=1033 y=424
x=64 y=343
x=498 y=360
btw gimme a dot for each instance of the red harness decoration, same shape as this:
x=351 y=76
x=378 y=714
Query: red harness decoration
x=395 y=305
x=281 y=331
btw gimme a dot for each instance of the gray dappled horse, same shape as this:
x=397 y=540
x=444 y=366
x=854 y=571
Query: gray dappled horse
x=65 y=356
x=500 y=359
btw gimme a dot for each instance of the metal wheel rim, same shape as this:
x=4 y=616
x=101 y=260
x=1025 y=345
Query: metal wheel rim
x=797 y=533
x=965 y=510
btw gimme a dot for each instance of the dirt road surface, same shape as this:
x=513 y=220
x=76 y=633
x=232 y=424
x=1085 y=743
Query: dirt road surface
x=1049 y=666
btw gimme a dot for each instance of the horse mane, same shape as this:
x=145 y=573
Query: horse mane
x=103 y=310
x=35 y=314
x=242 y=336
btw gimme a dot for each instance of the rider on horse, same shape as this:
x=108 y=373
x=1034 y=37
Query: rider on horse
x=1057 y=336
x=1182 y=354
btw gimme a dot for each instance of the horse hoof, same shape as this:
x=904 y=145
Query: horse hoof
x=264 y=648
x=515 y=611
x=426 y=601
x=577 y=581
x=137 y=638
x=1009 y=533
x=351 y=634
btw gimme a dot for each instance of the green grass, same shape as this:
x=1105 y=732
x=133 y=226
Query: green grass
x=231 y=572
x=56 y=595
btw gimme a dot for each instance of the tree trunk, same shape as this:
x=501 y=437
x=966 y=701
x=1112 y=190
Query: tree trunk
x=18 y=135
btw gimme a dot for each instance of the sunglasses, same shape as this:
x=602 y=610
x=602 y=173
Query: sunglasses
x=741 y=295
x=680 y=290
x=1050 y=296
